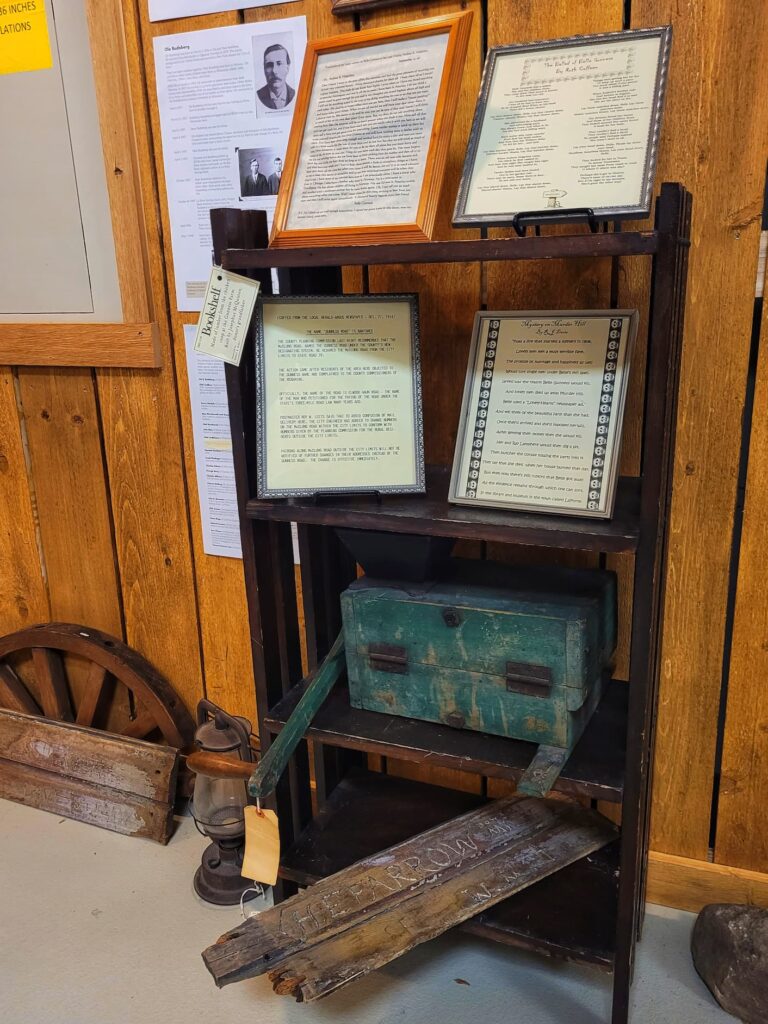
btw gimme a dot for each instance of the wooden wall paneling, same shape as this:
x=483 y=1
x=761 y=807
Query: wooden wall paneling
x=222 y=610
x=143 y=452
x=23 y=591
x=63 y=431
x=72 y=502
x=742 y=836
x=692 y=884
x=449 y=294
x=80 y=344
x=713 y=141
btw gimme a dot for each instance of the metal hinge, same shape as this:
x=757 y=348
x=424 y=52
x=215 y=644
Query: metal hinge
x=533 y=680
x=388 y=658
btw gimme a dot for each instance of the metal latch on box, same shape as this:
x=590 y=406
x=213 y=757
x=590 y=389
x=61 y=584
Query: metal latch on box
x=532 y=680
x=388 y=658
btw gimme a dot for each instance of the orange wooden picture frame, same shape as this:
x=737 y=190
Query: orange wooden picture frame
x=458 y=28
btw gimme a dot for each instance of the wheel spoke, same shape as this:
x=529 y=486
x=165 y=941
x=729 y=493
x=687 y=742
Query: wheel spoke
x=140 y=727
x=14 y=694
x=98 y=690
x=54 y=693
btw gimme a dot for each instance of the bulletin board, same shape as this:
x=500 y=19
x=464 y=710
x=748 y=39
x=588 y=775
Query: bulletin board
x=73 y=287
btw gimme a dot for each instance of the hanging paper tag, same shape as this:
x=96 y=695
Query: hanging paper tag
x=226 y=316
x=262 y=846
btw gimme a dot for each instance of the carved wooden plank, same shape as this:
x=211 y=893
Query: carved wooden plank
x=322 y=969
x=121 y=784
x=380 y=885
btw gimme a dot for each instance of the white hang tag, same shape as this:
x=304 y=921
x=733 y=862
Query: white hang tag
x=226 y=316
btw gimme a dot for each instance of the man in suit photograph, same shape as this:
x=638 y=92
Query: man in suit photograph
x=276 y=94
x=274 y=178
x=256 y=183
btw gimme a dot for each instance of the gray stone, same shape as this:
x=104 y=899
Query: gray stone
x=730 y=951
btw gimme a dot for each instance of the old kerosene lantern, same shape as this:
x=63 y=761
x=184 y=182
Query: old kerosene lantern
x=218 y=806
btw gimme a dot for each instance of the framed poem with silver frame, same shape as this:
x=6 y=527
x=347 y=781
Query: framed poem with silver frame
x=541 y=418
x=338 y=395
x=564 y=125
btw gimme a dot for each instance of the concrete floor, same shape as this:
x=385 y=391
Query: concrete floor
x=97 y=928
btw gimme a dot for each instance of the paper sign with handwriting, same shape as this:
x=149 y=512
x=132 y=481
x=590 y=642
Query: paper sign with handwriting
x=226 y=316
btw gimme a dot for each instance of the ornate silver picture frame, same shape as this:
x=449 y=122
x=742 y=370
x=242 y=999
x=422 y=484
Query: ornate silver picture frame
x=542 y=413
x=566 y=125
x=338 y=395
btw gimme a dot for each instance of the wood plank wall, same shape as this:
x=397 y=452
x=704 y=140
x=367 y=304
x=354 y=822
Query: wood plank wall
x=99 y=521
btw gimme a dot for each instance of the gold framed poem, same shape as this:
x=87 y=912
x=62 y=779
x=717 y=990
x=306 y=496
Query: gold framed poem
x=370 y=135
x=566 y=125
x=338 y=390
x=542 y=412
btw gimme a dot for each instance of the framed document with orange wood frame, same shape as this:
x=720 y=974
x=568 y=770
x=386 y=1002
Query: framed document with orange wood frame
x=370 y=135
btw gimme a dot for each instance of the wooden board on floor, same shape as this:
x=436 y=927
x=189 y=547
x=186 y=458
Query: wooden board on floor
x=691 y=884
x=374 y=911
x=120 y=784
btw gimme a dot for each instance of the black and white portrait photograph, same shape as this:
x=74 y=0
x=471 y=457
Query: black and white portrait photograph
x=274 y=73
x=259 y=170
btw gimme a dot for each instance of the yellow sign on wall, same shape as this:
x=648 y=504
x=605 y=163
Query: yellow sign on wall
x=24 y=44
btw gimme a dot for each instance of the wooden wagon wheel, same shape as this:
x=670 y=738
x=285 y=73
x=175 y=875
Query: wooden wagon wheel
x=43 y=687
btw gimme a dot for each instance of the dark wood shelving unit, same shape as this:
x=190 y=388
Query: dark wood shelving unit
x=432 y=514
x=582 y=897
x=591 y=911
x=595 y=769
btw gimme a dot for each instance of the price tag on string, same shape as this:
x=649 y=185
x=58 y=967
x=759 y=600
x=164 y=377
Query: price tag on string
x=226 y=316
x=262 y=846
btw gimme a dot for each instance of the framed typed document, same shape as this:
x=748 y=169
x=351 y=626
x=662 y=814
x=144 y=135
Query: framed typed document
x=370 y=134
x=541 y=419
x=338 y=389
x=568 y=124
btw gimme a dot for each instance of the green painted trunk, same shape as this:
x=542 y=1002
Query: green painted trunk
x=513 y=652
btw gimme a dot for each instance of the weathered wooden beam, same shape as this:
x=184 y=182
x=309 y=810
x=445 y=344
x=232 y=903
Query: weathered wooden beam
x=121 y=784
x=385 y=904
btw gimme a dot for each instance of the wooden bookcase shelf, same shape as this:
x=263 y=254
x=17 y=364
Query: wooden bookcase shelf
x=595 y=769
x=593 y=910
x=432 y=514
x=542 y=247
x=369 y=809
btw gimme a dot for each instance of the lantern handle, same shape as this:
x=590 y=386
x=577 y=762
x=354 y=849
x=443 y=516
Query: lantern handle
x=274 y=761
x=206 y=709
x=218 y=766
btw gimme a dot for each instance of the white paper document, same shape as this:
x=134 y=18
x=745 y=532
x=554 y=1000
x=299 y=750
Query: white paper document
x=213 y=451
x=214 y=465
x=542 y=412
x=367 y=135
x=569 y=127
x=163 y=10
x=226 y=99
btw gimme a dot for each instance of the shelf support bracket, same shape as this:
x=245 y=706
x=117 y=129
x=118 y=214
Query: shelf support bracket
x=543 y=771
